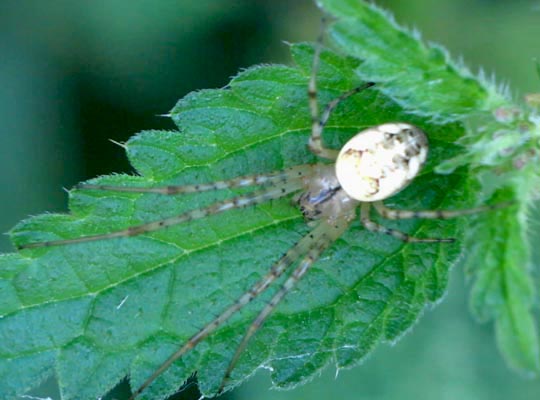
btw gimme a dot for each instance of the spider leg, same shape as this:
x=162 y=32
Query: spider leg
x=277 y=186
x=313 y=243
x=375 y=227
x=391 y=213
x=317 y=124
x=315 y=141
x=330 y=107
x=267 y=179
x=315 y=246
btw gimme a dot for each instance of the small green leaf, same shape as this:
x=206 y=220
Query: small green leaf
x=503 y=289
x=419 y=77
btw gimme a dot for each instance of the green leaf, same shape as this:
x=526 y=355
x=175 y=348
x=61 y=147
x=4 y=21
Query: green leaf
x=500 y=146
x=421 y=78
x=93 y=313
x=132 y=301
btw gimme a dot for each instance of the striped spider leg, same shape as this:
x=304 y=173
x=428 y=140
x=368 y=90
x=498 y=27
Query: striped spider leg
x=273 y=185
x=374 y=165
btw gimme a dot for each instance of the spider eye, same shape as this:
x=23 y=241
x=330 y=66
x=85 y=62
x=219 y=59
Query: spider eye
x=380 y=161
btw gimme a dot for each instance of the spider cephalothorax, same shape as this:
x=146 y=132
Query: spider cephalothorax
x=323 y=196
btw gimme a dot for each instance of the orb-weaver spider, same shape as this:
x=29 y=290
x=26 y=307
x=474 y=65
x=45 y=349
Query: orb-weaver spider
x=372 y=166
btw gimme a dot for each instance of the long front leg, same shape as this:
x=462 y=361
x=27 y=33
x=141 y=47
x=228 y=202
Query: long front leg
x=268 y=179
x=315 y=143
x=310 y=244
x=315 y=140
x=314 y=247
x=275 y=186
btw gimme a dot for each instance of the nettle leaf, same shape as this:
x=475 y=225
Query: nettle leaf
x=99 y=311
x=93 y=313
x=501 y=148
x=420 y=77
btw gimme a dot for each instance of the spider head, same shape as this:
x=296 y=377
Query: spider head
x=380 y=161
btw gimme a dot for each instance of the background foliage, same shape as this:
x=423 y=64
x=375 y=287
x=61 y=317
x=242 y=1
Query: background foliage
x=105 y=71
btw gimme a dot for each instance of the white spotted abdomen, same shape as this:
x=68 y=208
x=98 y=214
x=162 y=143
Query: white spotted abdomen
x=380 y=161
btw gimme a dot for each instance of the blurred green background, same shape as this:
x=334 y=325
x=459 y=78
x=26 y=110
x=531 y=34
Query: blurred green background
x=74 y=74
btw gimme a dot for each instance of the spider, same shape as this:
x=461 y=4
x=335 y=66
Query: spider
x=372 y=166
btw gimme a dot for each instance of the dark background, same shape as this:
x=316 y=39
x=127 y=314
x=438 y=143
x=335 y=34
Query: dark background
x=74 y=74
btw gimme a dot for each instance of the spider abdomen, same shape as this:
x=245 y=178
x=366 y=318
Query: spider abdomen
x=380 y=161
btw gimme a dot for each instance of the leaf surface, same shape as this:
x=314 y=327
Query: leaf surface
x=501 y=148
x=93 y=313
